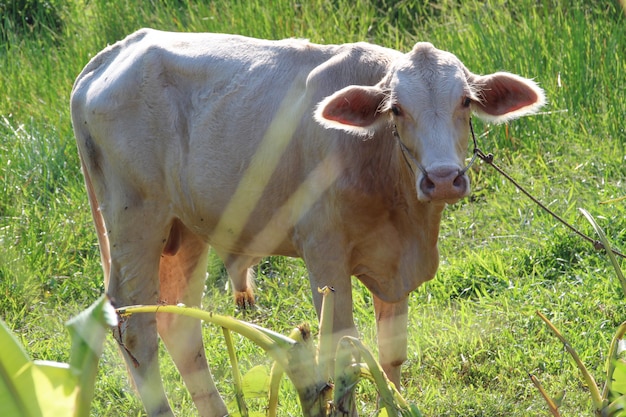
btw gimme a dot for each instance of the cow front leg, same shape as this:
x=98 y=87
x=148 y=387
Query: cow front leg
x=343 y=320
x=183 y=339
x=391 y=323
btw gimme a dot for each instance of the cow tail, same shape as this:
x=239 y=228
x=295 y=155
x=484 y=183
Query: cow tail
x=98 y=220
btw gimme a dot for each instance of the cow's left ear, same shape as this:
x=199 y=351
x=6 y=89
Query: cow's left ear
x=505 y=96
x=355 y=109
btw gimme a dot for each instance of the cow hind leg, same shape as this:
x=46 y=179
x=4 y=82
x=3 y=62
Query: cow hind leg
x=137 y=338
x=241 y=277
x=133 y=280
x=244 y=294
x=182 y=274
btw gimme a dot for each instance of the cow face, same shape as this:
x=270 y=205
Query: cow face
x=427 y=98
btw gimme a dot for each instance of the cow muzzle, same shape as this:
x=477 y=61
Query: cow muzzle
x=439 y=183
x=445 y=184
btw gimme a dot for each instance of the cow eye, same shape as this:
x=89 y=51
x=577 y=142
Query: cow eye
x=395 y=110
x=466 y=102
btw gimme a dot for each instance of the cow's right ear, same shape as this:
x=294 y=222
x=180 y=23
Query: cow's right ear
x=354 y=109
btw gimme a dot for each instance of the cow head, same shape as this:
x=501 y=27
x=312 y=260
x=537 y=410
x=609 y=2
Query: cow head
x=427 y=97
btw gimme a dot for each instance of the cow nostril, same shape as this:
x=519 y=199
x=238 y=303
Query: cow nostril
x=459 y=181
x=428 y=184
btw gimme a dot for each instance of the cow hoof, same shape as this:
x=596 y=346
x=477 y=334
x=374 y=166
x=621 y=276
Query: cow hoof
x=244 y=299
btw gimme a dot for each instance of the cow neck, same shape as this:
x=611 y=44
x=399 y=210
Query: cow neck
x=370 y=166
x=377 y=169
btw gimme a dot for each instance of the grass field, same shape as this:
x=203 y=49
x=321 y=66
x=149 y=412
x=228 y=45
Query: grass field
x=474 y=335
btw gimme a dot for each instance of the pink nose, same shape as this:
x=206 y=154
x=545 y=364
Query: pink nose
x=448 y=184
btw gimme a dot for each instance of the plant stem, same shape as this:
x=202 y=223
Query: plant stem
x=237 y=380
x=272 y=345
x=276 y=375
x=607 y=247
x=551 y=405
x=325 y=355
x=591 y=383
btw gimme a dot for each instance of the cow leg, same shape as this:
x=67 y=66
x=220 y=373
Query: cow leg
x=241 y=276
x=323 y=273
x=343 y=321
x=135 y=249
x=391 y=323
x=182 y=275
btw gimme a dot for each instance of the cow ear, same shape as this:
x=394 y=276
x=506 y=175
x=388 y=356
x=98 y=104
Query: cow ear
x=355 y=109
x=504 y=96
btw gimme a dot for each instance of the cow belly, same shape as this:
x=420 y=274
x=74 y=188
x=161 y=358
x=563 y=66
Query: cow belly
x=238 y=230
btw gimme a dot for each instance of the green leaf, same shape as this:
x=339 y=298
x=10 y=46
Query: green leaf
x=250 y=414
x=615 y=353
x=88 y=331
x=56 y=388
x=607 y=246
x=33 y=389
x=559 y=397
x=618 y=387
x=50 y=389
x=616 y=409
x=12 y=360
x=413 y=411
x=256 y=382
x=275 y=344
x=596 y=396
x=237 y=380
x=276 y=375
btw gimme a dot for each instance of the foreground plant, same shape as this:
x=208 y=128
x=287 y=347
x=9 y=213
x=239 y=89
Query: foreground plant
x=610 y=401
x=51 y=389
x=325 y=380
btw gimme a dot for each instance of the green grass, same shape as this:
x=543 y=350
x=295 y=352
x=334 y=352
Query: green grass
x=474 y=336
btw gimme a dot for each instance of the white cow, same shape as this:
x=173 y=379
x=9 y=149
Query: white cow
x=259 y=147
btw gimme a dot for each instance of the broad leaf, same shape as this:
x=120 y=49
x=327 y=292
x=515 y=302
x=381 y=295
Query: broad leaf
x=616 y=409
x=256 y=382
x=618 y=387
x=33 y=389
x=88 y=331
x=12 y=359
x=55 y=388
x=50 y=389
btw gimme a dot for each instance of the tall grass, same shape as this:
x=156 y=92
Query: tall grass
x=474 y=335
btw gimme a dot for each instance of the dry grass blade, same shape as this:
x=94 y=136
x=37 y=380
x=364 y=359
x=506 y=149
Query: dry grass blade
x=554 y=409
